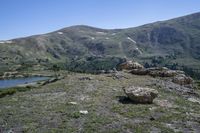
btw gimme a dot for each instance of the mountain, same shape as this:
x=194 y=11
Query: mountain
x=173 y=43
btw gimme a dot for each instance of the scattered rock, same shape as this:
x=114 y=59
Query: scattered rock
x=141 y=95
x=83 y=98
x=85 y=78
x=152 y=108
x=164 y=103
x=114 y=89
x=119 y=76
x=171 y=86
x=84 y=112
x=155 y=130
x=11 y=131
x=10 y=75
x=73 y=103
x=129 y=65
x=182 y=79
x=194 y=100
x=102 y=71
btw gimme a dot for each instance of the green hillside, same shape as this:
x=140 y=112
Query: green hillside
x=174 y=43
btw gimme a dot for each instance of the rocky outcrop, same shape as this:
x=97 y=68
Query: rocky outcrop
x=129 y=65
x=182 y=79
x=140 y=94
x=163 y=72
x=176 y=76
x=8 y=75
x=184 y=90
x=16 y=74
x=140 y=71
x=156 y=72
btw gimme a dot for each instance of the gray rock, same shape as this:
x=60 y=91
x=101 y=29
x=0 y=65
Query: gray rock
x=171 y=86
x=157 y=72
x=194 y=100
x=163 y=72
x=84 y=112
x=85 y=78
x=10 y=74
x=73 y=103
x=129 y=65
x=140 y=71
x=140 y=94
x=182 y=79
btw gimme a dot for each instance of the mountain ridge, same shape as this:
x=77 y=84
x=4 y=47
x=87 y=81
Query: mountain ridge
x=173 y=43
x=82 y=25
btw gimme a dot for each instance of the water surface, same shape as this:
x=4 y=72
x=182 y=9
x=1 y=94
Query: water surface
x=7 y=83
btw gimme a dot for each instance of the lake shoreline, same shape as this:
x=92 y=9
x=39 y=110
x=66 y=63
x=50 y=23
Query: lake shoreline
x=25 y=81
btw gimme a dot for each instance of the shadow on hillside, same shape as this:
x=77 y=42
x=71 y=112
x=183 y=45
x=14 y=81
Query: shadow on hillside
x=125 y=100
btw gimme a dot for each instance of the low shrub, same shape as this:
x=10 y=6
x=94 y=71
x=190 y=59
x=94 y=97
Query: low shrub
x=6 y=92
x=11 y=91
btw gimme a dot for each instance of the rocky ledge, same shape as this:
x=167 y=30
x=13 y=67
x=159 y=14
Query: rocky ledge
x=176 y=76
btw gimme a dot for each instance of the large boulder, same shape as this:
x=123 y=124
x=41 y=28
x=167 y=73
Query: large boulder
x=140 y=71
x=182 y=79
x=129 y=65
x=140 y=94
x=157 y=72
x=163 y=72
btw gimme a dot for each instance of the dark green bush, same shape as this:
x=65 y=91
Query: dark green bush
x=11 y=91
x=6 y=92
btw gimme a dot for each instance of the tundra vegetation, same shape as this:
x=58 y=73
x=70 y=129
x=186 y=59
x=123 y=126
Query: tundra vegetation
x=97 y=87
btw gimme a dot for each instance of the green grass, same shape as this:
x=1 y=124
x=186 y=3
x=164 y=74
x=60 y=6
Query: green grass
x=48 y=109
x=13 y=90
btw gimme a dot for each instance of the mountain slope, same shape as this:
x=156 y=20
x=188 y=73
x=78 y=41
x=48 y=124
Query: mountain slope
x=174 y=42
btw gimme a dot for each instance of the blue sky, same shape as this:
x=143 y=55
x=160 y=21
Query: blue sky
x=21 y=18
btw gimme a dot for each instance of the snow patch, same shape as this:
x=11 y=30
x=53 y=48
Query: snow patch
x=107 y=38
x=84 y=112
x=113 y=34
x=102 y=33
x=92 y=38
x=131 y=40
x=5 y=42
x=60 y=33
x=138 y=50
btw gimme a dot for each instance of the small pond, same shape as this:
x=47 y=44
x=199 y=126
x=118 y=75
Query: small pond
x=7 y=83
